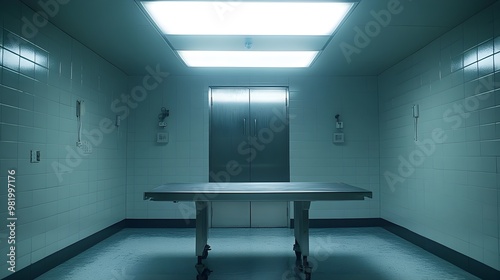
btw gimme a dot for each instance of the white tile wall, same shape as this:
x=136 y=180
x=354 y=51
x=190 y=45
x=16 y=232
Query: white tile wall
x=313 y=157
x=451 y=194
x=41 y=77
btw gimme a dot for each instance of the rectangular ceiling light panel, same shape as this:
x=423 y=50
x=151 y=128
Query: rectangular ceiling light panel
x=248 y=58
x=246 y=18
x=207 y=18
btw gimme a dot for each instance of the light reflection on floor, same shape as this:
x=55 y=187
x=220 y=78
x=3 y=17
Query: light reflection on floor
x=255 y=254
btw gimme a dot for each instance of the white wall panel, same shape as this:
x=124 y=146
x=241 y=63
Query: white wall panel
x=42 y=76
x=451 y=195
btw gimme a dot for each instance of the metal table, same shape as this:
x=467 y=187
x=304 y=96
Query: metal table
x=301 y=193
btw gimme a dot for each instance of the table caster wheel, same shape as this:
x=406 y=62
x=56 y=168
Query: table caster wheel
x=201 y=277
x=205 y=252
x=307 y=268
x=298 y=266
x=204 y=275
x=298 y=271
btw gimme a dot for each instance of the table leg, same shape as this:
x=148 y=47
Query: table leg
x=201 y=226
x=301 y=230
x=202 y=247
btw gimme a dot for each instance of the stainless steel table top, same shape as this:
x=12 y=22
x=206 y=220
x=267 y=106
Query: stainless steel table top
x=269 y=191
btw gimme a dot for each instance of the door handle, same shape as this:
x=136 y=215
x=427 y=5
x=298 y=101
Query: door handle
x=244 y=126
x=255 y=127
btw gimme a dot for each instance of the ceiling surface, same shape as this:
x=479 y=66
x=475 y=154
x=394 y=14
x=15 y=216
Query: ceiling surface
x=119 y=31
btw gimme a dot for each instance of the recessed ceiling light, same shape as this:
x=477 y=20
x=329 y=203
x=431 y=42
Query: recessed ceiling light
x=248 y=58
x=247 y=18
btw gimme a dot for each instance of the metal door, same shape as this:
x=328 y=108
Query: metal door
x=270 y=161
x=269 y=136
x=229 y=128
x=249 y=142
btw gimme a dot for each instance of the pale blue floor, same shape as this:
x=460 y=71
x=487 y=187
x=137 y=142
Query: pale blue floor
x=260 y=254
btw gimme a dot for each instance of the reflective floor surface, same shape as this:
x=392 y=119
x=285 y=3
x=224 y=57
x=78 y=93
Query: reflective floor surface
x=255 y=254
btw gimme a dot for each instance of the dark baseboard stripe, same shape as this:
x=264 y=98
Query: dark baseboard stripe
x=40 y=267
x=160 y=223
x=342 y=223
x=462 y=261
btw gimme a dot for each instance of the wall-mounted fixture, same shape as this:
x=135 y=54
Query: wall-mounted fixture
x=339 y=124
x=338 y=137
x=34 y=156
x=162 y=137
x=416 y=114
x=80 y=111
x=161 y=117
